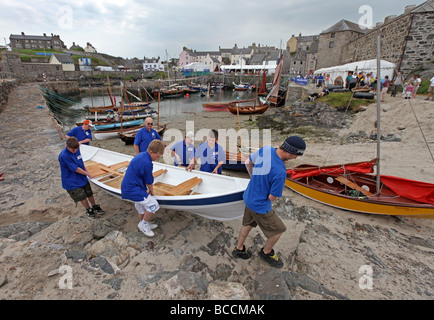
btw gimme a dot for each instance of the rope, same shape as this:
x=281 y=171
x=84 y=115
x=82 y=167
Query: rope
x=420 y=128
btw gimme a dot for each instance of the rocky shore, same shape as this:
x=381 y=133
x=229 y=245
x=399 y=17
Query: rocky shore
x=50 y=250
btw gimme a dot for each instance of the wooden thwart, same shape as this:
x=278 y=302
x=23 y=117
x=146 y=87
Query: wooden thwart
x=354 y=186
x=184 y=188
x=99 y=169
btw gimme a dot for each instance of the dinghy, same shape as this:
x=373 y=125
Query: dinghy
x=211 y=196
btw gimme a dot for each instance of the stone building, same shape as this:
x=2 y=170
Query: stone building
x=408 y=40
x=300 y=57
x=64 y=60
x=332 y=40
x=23 y=41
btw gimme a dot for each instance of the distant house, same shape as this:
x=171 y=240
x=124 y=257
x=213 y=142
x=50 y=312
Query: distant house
x=63 y=59
x=152 y=64
x=212 y=59
x=23 y=41
x=76 y=47
x=332 y=40
x=85 y=64
x=186 y=57
x=89 y=48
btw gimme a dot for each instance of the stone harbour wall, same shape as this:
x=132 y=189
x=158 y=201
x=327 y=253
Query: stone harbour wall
x=412 y=32
x=5 y=88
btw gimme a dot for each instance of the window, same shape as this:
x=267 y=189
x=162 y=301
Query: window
x=331 y=44
x=333 y=35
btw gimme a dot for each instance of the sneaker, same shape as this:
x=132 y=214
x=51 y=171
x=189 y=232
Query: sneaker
x=271 y=258
x=146 y=229
x=243 y=254
x=97 y=209
x=152 y=226
x=90 y=213
x=427 y=99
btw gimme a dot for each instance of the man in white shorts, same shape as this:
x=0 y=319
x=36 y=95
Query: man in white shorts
x=137 y=185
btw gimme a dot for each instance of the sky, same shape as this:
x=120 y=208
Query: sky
x=152 y=28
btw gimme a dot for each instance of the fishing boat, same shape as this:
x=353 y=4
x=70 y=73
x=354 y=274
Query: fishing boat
x=135 y=108
x=125 y=124
x=355 y=187
x=235 y=161
x=216 y=106
x=128 y=136
x=237 y=107
x=205 y=194
x=242 y=86
x=276 y=96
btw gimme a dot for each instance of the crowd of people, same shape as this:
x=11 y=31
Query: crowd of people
x=266 y=168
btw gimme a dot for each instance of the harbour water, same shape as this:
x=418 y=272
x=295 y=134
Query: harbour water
x=170 y=108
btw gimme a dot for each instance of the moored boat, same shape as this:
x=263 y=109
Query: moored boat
x=352 y=187
x=125 y=124
x=237 y=107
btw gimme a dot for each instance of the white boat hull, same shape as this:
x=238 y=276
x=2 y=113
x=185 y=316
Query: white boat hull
x=217 y=197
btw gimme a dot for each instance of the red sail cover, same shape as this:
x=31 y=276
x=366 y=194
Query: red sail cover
x=310 y=171
x=415 y=190
x=411 y=189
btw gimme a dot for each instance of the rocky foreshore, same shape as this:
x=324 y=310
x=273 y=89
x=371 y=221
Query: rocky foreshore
x=50 y=250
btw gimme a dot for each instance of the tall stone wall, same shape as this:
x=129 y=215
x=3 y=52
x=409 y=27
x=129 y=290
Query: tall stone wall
x=407 y=41
x=392 y=42
x=5 y=88
x=420 y=42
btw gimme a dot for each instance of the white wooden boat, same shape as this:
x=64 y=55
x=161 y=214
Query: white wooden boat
x=208 y=195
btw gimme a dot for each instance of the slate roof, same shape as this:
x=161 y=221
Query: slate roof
x=428 y=6
x=63 y=58
x=344 y=25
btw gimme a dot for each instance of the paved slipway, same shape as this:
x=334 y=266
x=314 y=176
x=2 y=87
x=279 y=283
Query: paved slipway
x=50 y=250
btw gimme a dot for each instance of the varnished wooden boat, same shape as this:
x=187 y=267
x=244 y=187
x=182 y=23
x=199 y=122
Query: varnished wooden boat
x=352 y=187
x=238 y=108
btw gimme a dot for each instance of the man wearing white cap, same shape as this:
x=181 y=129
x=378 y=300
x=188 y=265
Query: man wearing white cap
x=184 y=152
x=268 y=173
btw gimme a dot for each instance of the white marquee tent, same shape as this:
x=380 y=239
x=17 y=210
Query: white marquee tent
x=364 y=66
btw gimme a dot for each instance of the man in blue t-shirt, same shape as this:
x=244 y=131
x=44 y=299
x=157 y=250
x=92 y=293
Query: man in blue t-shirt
x=145 y=135
x=211 y=154
x=74 y=177
x=268 y=173
x=184 y=152
x=137 y=185
x=82 y=133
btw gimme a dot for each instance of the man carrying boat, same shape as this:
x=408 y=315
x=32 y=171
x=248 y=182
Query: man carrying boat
x=74 y=177
x=145 y=135
x=83 y=133
x=268 y=173
x=184 y=152
x=211 y=154
x=137 y=185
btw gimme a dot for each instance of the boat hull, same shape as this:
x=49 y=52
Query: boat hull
x=217 y=197
x=359 y=205
x=112 y=126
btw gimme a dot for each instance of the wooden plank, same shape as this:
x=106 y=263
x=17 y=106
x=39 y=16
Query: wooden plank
x=119 y=165
x=184 y=188
x=354 y=186
x=94 y=168
x=159 y=172
x=115 y=183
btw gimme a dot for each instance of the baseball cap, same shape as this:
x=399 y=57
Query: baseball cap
x=294 y=145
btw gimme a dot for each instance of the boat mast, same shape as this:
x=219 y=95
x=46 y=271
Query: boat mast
x=378 y=107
